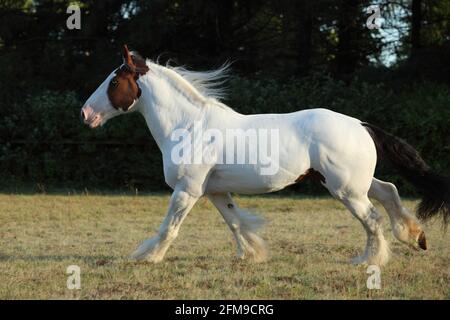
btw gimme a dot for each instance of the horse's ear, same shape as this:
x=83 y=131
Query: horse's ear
x=127 y=56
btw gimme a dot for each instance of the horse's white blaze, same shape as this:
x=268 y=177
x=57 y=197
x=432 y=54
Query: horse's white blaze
x=98 y=109
x=336 y=146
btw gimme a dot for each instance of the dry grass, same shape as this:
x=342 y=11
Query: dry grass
x=310 y=241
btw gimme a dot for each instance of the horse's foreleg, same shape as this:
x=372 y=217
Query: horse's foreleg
x=154 y=249
x=243 y=225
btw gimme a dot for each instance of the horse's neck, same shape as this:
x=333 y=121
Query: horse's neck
x=166 y=109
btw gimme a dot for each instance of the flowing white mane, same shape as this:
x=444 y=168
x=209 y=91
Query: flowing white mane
x=203 y=86
x=206 y=82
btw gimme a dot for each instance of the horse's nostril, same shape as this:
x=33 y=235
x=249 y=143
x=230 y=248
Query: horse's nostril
x=82 y=118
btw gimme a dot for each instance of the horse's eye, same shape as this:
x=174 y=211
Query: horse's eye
x=114 y=83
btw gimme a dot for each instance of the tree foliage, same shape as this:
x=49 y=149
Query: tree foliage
x=287 y=55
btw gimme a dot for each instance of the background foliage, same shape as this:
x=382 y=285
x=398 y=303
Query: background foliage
x=288 y=55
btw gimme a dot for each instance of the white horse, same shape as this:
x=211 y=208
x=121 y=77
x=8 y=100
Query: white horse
x=337 y=150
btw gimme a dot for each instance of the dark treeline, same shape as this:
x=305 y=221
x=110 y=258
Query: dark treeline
x=287 y=56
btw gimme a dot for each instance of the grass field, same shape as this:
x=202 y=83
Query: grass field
x=310 y=242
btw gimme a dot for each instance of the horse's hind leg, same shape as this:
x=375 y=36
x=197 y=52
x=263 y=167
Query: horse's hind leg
x=377 y=250
x=405 y=226
x=350 y=185
x=243 y=225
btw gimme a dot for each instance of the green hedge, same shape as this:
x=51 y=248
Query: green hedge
x=44 y=143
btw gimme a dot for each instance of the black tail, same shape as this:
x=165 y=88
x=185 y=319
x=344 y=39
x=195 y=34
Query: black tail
x=434 y=188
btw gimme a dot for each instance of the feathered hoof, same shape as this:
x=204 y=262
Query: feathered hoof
x=146 y=252
x=257 y=249
x=138 y=257
x=359 y=260
x=422 y=241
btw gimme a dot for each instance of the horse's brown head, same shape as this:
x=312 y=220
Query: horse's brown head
x=118 y=93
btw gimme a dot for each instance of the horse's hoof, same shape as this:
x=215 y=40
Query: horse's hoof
x=136 y=257
x=358 y=260
x=422 y=241
x=139 y=255
x=145 y=258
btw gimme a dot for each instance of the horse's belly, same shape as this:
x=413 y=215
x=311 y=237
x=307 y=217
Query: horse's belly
x=246 y=179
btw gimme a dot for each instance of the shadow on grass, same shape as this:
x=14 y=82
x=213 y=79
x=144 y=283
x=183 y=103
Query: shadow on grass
x=97 y=260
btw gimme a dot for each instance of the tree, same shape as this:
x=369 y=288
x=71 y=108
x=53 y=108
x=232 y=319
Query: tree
x=416 y=25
